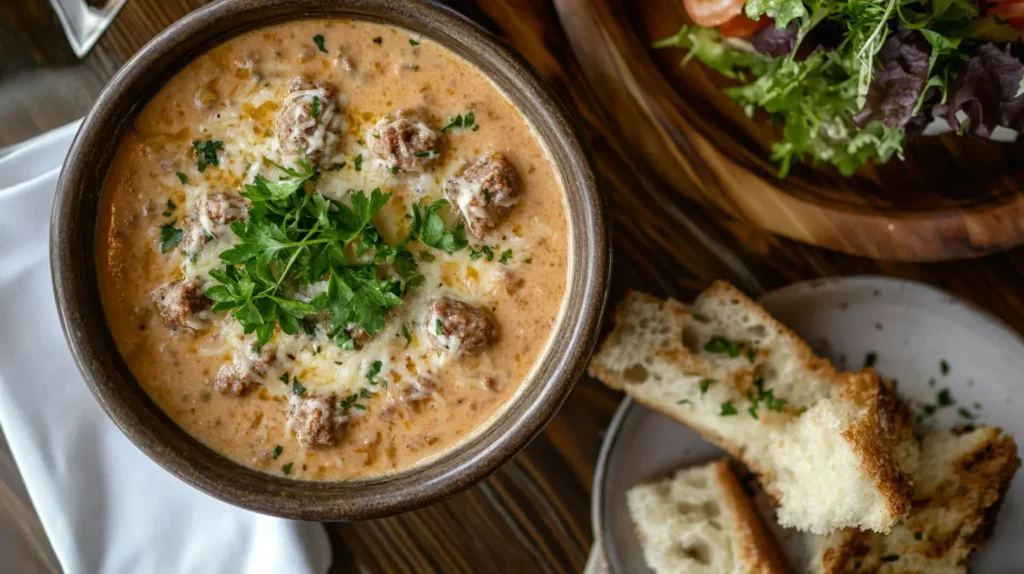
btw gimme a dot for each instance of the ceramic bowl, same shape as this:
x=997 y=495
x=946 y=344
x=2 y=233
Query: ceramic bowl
x=73 y=229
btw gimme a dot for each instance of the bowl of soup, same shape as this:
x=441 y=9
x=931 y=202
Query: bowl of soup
x=329 y=259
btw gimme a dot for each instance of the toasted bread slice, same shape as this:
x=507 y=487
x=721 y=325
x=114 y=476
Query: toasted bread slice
x=700 y=520
x=833 y=449
x=958 y=489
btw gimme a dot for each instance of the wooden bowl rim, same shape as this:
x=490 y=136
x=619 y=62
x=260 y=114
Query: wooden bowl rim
x=72 y=232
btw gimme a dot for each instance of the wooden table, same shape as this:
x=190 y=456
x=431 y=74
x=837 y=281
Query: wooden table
x=533 y=515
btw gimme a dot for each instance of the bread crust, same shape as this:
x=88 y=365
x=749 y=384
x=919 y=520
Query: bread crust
x=756 y=546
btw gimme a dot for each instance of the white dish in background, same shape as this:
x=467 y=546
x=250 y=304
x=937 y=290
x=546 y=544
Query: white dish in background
x=911 y=329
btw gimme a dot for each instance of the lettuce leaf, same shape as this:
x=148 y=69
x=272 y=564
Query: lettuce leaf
x=783 y=11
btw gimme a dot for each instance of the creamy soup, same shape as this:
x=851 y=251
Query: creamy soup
x=330 y=249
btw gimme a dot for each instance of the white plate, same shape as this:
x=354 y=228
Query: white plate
x=912 y=328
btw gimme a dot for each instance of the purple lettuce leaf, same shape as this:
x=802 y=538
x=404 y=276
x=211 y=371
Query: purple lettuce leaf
x=988 y=90
x=896 y=88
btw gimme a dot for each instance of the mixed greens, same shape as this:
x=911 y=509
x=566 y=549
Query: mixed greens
x=848 y=81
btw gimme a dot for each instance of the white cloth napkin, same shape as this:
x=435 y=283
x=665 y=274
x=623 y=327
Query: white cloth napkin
x=105 y=507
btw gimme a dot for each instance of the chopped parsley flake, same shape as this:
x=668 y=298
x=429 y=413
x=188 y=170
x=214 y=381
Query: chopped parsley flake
x=928 y=410
x=373 y=371
x=753 y=409
x=705 y=384
x=336 y=166
x=430 y=153
x=889 y=558
x=405 y=333
x=427 y=256
x=181 y=177
x=297 y=388
x=944 y=398
x=413 y=42
x=348 y=402
x=461 y=121
x=366 y=394
x=358 y=162
x=287 y=469
x=683 y=402
x=316 y=350
x=284 y=378
x=277 y=451
x=319 y=41
x=944 y=367
x=395 y=169
x=378 y=40
x=485 y=251
x=506 y=256
x=359 y=407
x=437 y=328
x=966 y=413
x=206 y=153
x=170 y=208
x=727 y=409
x=314 y=108
x=170 y=236
x=870 y=359
x=918 y=536
x=723 y=345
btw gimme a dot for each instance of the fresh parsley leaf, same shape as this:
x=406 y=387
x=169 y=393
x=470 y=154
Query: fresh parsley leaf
x=170 y=236
x=945 y=399
x=506 y=256
x=405 y=333
x=683 y=402
x=467 y=121
x=944 y=367
x=297 y=388
x=437 y=328
x=319 y=41
x=314 y=108
x=287 y=469
x=206 y=153
x=430 y=153
x=870 y=359
x=284 y=378
x=181 y=177
x=413 y=43
x=727 y=409
x=485 y=251
x=705 y=385
x=358 y=162
x=170 y=208
x=432 y=231
x=277 y=451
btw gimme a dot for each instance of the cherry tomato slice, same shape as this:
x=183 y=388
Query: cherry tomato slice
x=710 y=13
x=743 y=27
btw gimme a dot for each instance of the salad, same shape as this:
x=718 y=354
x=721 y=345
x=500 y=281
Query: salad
x=849 y=81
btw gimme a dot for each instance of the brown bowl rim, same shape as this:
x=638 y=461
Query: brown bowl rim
x=72 y=235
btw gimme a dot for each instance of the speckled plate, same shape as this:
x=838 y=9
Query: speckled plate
x=927 y=339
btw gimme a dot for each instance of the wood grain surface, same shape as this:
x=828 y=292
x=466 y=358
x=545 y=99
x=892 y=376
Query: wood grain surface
x=533 y=515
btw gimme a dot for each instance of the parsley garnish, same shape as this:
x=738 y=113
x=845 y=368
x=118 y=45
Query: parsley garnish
x=319 y=41
x=427 y=256
x=314 y=108
x=170 y=236
x=170 y=208
x=966 y=413
x=405 y=333
x=413 y=42
x=426 y=153
x=723 y=345
x=683 y=402
x=358 y=162
x=889 y=558
x=705 y=384
x=429 y=225
x=348 y=402
x=365 y=394
x=944 y=367
x=287 y=469
x=506 y=256
x=277 y=451
x=295 y=237
x=284 y=378
x=727 y=409
x=336 y=166
x=373 y=371
x=206 y=153
x=485 y=251
x=181 y=177
x=870 y=359
x=437 y=328
x=297 y=388
x=461 y=121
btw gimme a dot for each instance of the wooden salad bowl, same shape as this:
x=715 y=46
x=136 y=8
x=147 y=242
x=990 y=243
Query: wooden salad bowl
x=951 y=198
